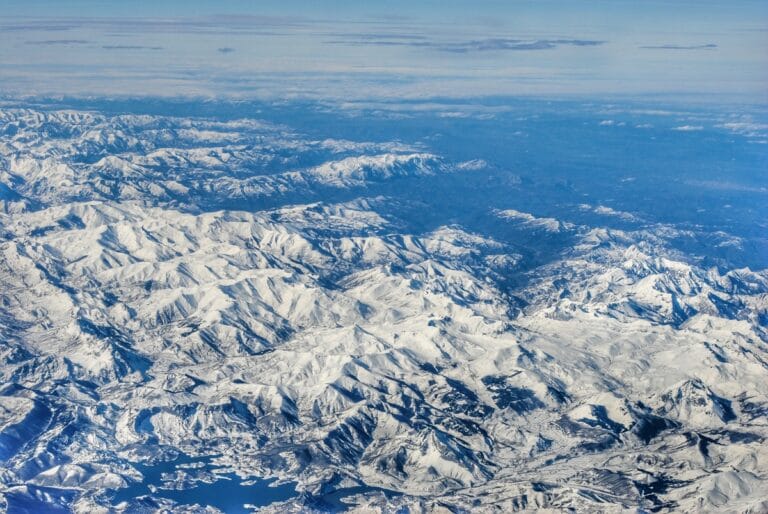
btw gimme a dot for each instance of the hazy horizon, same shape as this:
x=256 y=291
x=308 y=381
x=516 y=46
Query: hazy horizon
x=343 y=50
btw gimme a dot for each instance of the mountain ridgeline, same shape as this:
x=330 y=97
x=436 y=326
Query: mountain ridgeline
x=367 y=324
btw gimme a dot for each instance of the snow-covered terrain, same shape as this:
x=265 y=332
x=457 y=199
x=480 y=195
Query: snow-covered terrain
x=239 y=291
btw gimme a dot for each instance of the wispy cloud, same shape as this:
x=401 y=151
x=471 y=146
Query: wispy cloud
x=707 y=46
x=515 y=44
x=380 y=42
x=38 y=27
x=367 y=36
x=689 y=128
x=131 y=47
x=234 y=25
x=51 y=42
x=478 y=45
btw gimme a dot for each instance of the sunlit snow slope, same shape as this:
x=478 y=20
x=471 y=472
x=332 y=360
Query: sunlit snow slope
x=287 y=306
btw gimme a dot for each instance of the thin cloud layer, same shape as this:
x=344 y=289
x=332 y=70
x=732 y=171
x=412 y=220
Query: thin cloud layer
x=515 y=44
x=53 y=42
x=131 y=47
x=479 y=45
x=708 y=46
x=422 y=51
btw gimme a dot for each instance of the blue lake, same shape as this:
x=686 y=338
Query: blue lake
x=227 y=493
x=334 y=501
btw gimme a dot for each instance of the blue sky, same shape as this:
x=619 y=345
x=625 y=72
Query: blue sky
x=394 y=48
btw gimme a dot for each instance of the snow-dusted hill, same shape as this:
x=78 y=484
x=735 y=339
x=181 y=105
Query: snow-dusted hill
x=185 y=286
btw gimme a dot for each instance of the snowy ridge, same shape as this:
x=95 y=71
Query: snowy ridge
x=324 y=344
x=61 y=156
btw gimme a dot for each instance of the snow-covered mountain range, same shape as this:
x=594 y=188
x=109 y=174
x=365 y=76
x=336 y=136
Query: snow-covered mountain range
x=187 y=287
